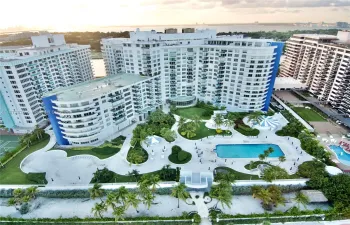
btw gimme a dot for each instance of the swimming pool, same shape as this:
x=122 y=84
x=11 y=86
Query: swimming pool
x=246 y=150
x=343 y=157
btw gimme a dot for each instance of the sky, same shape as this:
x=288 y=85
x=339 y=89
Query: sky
x=72 y=14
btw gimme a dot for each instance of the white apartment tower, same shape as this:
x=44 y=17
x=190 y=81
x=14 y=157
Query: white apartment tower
x=322 y=62
x=26 y=73
x=230 y=71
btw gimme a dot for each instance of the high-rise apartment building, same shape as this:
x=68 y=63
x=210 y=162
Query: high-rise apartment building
x=27 y=72
x=230 y=71
x=92 y=111
x=322 y=62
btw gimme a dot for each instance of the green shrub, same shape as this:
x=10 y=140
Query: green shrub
x=246 y=130
x=312 y=168
x=207 y=113
x=175 y=149
x=197 y=218
x=38 y=178
x=182 y=155
x=179 y=156
x=102 y=176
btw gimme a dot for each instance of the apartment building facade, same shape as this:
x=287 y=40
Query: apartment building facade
x=322 y=62
x=92 y=111
x=230 y=71
x=26 y=73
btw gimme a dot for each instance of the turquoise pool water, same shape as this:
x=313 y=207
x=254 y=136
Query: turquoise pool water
x=341 y=154
x=247 y=150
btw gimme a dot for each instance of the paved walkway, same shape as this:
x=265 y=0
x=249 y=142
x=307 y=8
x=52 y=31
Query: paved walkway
x=78 y=170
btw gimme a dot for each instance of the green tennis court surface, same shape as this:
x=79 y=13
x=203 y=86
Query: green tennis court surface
x=8 y=143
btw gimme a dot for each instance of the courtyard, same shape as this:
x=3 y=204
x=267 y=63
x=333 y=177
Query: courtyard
x=79 y=169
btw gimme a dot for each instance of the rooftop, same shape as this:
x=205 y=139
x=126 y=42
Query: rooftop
x=95 y=87
x=317 y=36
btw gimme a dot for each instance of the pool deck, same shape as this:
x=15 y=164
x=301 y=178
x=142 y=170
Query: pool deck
x=78 y=170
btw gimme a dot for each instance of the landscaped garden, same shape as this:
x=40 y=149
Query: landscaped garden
x=237 y=175
x=308 y=114
x=179 y=156
x=137 y=155
x=106 y=176
x=103 y=151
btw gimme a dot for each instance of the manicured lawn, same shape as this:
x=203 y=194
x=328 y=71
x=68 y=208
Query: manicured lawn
x=202 y=132
x=308 y=114
x=12 y=174
x=193 y=111
x=104 y=151
x=238 y=175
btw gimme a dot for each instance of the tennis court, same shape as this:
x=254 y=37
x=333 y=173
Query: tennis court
x=8 y=143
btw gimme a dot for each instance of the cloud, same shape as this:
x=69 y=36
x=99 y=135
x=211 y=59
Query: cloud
x=285 y=3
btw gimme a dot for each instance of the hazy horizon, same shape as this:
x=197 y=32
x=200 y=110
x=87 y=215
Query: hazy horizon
x=78 y=14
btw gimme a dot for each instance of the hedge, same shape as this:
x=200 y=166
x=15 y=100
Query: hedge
x=179 y=156
x=76 y=193
x=246 y=130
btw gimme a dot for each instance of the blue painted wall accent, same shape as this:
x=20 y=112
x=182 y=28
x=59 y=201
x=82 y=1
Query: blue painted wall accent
x=5 y=113
x=50 y=111
x=278 y=51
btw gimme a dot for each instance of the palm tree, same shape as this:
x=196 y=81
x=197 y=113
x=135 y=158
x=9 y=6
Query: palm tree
x=135 y=174
x=262 y=194
x=121 y=194
x=223 y=193
x=270 y=150
x=226 y=177
x=301 y=199
x=218 y=120
x=180 y=192
x=31 y=191
x=262 y=157
x=154 y=182
x=182 y=121
x=132 y=200
x=134 y=158
x=281 y=159
x=147 y=198
x=26 y=140
x=188 y=130
x=230 y=123
x=98 y=209
x=255 y=116
x=164 y=172
x=111 y=200
x=118 y=213
x=38 y=132
x=96 y=191
x=196 y=120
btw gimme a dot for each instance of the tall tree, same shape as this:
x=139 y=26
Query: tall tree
x=121 y=194
x=135 y=173
x=32 y=191
x=147 y=197
x=111 y=200
x=98 y=209
x=301 y=199
x=180 y=192
x=222 y=192
x=281 y=159
x=132 y=200
x=218 y=120
x=96 y=192
x=118 y=213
